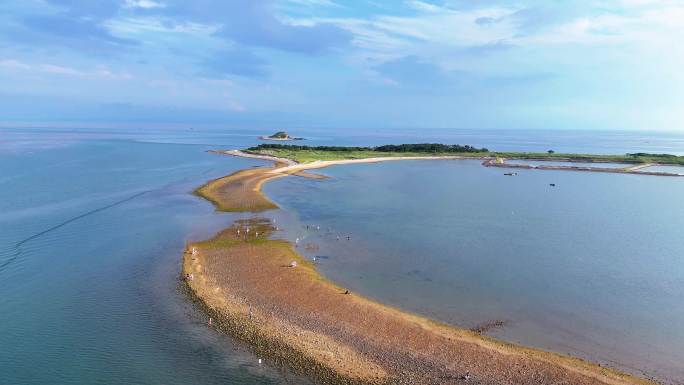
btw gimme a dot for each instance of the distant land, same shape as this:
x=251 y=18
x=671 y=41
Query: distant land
x=280 y=135
x=303 y=154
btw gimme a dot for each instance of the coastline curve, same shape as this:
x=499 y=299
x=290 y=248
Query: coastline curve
x=244 y=277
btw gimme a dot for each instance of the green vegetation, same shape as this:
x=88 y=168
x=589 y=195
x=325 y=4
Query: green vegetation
x=658 y=158
x=293 y=147
x=280 y=135
x=304 y=154
x=425 y=148
x=638 y=158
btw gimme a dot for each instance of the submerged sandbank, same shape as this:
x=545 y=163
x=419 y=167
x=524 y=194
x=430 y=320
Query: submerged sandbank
x=296 y=317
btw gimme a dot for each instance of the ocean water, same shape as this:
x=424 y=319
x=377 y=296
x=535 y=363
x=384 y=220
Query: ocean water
x=90 y=246
x=93 y=223
x=592 y=267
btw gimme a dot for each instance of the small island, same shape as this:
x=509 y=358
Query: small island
x=280 y=136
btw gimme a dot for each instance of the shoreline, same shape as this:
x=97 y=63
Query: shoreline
x=298 y=318
x=487 y=161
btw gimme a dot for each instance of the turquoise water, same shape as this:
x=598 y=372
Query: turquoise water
x=593 y=267
x=93 y=222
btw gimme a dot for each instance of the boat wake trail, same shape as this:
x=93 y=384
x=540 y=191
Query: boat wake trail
x=16 y=250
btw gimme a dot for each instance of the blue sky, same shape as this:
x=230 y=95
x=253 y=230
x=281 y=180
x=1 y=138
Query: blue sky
x=604 y=64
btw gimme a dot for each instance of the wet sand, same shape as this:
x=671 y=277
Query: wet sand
x=295 y=317
x=241 y=191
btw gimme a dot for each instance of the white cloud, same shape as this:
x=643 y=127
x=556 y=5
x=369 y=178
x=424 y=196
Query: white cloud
x=140 y=25
x=144 y=4
x=423 y=6
x=452 y=37
x=13 y=64
x=326 y=3
x=53 y=69
x=432 y=33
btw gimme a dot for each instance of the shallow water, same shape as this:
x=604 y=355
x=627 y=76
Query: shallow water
x=570 y=164
x=592 y=267
x=671 y=169
x=90 y=254
x=93 y=222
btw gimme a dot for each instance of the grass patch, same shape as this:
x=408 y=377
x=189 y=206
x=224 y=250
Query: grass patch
x=307 y=156
x=304 y=154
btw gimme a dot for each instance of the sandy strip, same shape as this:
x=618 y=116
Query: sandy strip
x=327 y=163
x=294 y=316
x=638 y=167
x=241 y=191
x=292 y=167
x=295 y=168
x=302 y=320
x=256 y=156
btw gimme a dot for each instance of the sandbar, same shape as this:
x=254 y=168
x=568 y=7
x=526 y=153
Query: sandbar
x=244 y=279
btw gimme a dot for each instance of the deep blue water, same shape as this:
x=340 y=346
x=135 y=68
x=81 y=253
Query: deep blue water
x=93 y=222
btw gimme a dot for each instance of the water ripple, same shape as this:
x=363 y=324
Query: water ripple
x=16 y=250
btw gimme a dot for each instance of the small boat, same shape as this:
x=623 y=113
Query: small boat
x=510 y=173
x=552 y=184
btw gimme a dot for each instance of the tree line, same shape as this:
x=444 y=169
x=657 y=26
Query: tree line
x=416 y=147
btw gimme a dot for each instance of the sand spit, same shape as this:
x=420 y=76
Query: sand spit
x=295 y=317
x=241 y=191
x=293 y=167
x=256 y=156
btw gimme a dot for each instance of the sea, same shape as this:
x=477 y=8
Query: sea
x=93 y=222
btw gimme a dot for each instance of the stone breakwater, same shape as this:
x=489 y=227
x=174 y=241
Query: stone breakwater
x=616 y=170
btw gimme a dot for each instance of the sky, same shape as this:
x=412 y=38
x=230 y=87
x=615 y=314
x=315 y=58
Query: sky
x=487 y=64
